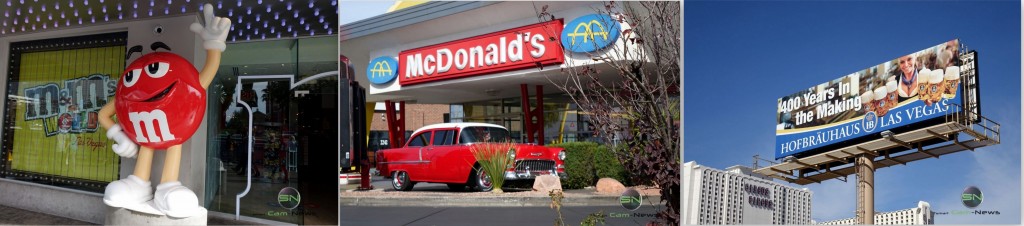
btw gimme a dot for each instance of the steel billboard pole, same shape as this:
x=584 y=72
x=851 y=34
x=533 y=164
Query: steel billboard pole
x=865 y=190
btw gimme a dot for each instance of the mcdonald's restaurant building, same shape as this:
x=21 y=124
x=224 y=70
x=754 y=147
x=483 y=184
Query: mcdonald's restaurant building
x=491 y=62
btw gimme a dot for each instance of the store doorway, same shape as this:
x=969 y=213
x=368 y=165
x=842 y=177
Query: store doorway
x=292 y=95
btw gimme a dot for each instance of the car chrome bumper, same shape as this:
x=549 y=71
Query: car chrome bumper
x=529 y=175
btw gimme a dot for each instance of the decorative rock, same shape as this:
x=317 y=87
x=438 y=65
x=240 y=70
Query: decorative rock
x=610 y=186
x=546 y=183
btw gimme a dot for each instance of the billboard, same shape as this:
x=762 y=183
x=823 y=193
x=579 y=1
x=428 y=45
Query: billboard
x=905 y=91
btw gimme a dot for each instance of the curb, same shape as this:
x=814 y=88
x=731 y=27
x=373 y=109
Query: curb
x=530 y=201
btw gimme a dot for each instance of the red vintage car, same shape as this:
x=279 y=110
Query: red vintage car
x=441 y=153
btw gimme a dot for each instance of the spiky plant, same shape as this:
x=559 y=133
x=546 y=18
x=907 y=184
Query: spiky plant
x=494 y=158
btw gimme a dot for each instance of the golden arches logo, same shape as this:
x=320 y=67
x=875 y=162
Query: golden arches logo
x=587 y=31
x=381 y=68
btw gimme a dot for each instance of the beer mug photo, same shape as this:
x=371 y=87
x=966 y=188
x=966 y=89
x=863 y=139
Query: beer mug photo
x=867 y=100
x=881 y=104
x=892 y=96
x=951 y=81
x=935 y=88
x=922 y=82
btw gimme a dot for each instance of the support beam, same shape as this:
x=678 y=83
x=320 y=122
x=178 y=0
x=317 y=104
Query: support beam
x=851 y=154
x=829 y=172
x=957 y=142
x=790 y=180
x=900 y=142
x=396 y=123
x=780 y=171
x=812 y=180
x=921 y=149
x=533 y=118
x=940 y=136
x=837 y=158
x=817 y=171
x=894 y=160
x=865 y=190
x=868 y=152
x=797 y=161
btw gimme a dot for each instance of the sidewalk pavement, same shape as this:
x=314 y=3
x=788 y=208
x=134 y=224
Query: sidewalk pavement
x=483 y=201
x=15 y=216
x=438 y=195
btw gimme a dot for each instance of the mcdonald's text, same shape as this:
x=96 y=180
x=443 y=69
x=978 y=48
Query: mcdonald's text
x=513 y=49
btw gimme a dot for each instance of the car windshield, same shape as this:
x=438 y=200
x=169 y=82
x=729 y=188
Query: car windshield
x=478 y=134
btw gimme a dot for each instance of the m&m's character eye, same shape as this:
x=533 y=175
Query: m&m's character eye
x=132 y=77
x=157 y=69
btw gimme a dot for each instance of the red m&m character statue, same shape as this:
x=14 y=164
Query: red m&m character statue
x=159 y=104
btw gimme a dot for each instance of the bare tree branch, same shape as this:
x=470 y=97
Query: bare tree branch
x=635 y=99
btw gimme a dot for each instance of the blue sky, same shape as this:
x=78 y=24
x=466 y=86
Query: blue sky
x=352 y=11
x=740 y=57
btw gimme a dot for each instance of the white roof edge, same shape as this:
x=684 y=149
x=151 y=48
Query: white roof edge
x=459 y=125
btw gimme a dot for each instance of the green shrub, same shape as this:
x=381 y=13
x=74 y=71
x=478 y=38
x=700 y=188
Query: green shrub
x=586 y=162
x=608 y=165
x=579 y=157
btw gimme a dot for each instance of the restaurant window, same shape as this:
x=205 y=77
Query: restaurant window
x=563 y=121
x=55 y=89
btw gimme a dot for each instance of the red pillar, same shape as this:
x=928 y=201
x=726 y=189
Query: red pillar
x=533 y=128
x=396 y=123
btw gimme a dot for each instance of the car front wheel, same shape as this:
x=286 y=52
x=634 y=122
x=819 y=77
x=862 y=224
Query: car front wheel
x=400 y=181
x=480 y=180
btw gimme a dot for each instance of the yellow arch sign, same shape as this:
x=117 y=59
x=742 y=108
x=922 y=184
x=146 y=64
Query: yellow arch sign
x=587 y=32
x=381 y=69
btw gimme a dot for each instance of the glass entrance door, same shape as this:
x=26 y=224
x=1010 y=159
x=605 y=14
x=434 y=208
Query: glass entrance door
x=294 y=131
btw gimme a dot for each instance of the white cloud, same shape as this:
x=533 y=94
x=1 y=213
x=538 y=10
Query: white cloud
x=997 y=174
x=995 y=170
